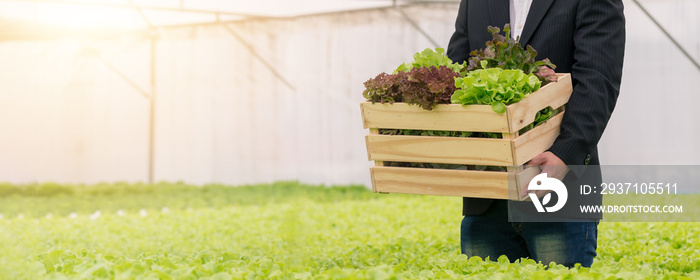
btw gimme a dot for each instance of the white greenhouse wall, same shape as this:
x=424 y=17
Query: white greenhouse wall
x=223 y=116
x=656 y=118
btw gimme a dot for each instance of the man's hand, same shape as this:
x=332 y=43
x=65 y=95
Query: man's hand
x=552 y=165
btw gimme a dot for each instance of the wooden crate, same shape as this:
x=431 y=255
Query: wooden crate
x=512 y=151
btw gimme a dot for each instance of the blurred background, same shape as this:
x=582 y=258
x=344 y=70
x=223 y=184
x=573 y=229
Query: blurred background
x=243 y=92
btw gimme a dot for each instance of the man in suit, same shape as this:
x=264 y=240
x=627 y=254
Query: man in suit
x=585 y=38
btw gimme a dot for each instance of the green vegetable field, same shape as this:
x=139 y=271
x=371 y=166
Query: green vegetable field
x=287 y=230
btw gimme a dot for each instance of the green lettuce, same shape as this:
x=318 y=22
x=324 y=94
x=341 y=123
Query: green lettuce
x=494 y=86
x=430 y=58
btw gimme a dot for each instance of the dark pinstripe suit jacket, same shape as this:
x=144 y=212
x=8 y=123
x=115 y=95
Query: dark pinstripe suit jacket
x=583 y=37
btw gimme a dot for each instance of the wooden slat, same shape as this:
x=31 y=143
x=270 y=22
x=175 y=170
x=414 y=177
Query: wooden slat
x=455 y=150
x=537 y=140
x=477 y=118
x=374 y=184
x=362 y=112
x=464 y=183
x=553 y=95
x=373 y=131
x=512 y=170
x=449 y=117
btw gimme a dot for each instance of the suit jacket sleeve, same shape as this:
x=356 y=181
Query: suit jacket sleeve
x=599 y=42
x=458 y=47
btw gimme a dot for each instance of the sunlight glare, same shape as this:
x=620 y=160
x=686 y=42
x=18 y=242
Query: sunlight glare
x=73 y=16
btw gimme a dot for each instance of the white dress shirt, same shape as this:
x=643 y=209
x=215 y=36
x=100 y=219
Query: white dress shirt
x=518 y=14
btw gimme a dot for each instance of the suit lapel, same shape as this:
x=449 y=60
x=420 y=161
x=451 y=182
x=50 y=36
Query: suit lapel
x=537 y=11
x=499 y=12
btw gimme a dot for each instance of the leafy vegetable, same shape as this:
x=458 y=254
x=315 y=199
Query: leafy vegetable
x=420 y=86
x=430 y=58
x=326 y=232
x=428 y=87
x=495 y=87
x=506 y=53
x=541 y=117
x=427 y=81
x=386 y=87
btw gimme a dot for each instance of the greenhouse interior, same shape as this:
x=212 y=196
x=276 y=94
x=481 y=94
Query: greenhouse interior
x=123 y=120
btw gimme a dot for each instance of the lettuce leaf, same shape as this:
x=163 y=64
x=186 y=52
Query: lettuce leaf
x=422 y=86
x=430 y=58
x=494 y=86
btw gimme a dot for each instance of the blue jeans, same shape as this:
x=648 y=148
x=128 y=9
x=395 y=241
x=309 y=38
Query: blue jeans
x=491 y=235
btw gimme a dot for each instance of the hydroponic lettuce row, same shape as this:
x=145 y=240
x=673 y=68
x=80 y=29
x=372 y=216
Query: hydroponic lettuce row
x=289 y=231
